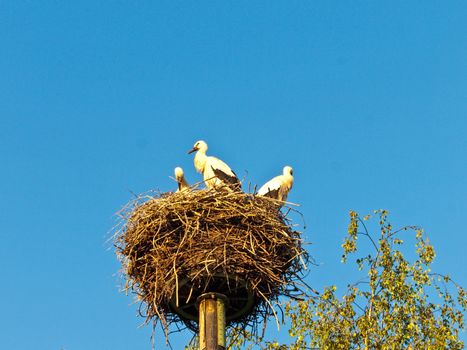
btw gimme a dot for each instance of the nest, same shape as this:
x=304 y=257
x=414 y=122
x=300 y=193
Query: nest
x=177 y=246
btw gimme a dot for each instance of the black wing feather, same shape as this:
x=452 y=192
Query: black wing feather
x=230 y=180
x=272 y=193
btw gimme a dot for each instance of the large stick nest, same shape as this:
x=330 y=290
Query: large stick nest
x=176 y=246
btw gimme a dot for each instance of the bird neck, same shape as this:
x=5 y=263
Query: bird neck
x=200 y=160
x=288 y=179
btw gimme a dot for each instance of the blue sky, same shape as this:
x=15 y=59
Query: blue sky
x=366 y=100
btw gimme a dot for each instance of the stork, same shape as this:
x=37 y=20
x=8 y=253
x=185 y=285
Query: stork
x=279 y=186
x=180 y=177
x=215 y=172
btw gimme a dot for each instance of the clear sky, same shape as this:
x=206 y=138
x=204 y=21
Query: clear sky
x=367 y=100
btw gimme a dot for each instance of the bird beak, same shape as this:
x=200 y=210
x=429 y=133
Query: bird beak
x=194 y=149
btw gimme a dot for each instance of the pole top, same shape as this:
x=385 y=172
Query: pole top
x=212 y=295
x=234 y=293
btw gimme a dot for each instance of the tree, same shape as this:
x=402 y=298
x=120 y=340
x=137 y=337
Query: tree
x=399 y=305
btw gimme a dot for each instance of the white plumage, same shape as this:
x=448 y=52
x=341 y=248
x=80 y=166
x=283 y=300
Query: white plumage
x=180 y=177
x=215 y=172
x=279 y=186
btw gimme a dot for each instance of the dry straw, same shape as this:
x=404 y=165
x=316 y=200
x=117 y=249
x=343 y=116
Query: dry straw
x=176 y=246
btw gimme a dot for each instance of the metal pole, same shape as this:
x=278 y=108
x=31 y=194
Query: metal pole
x=212 y=321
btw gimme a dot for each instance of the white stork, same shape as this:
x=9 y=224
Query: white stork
x=215 y=172
x=180 y=177
x=279 y=186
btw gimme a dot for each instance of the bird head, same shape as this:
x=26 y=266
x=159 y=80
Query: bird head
x=199 y=145
x=178 y=173
x=288 y=170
